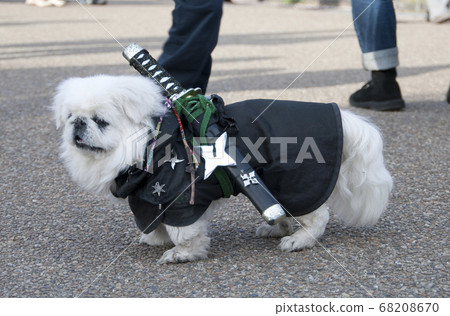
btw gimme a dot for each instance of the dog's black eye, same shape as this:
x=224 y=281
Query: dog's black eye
x=100 y=122
x=69 y=116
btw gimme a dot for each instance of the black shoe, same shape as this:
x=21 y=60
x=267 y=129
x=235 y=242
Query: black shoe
x=382 y=93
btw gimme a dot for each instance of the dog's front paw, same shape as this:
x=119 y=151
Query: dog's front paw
x=152 y=241
x=180 y=254
x=281 y=229
x=158 y=237
x=297 y=242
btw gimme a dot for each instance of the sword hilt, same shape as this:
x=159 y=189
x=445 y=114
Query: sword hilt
x=147 y=66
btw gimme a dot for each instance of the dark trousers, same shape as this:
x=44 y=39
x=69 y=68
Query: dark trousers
x=375 y=26
x=192 y=38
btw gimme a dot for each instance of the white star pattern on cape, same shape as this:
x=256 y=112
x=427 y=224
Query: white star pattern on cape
x=158 y=188
x=218 y=158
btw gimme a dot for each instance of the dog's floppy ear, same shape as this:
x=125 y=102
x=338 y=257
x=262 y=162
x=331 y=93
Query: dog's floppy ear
x=138 y=98
x=58 y=107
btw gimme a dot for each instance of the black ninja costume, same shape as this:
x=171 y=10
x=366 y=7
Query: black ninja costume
x=295 y=148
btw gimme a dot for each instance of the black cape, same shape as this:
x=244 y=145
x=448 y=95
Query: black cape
x=295 y=147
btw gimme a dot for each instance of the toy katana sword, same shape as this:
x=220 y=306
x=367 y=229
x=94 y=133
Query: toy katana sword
x=147 y=66
x=246 y=178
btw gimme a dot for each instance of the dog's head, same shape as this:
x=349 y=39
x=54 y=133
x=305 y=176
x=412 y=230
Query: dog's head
x=98 y=116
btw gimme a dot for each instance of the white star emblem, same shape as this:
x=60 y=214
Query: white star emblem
x=173 y=161
x=217 y=158
x=158 y=188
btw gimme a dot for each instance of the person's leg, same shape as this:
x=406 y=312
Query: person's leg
x=192 y=38
x=375 y=26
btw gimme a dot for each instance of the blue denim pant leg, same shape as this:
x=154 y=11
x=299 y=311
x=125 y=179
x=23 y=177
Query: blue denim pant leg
x=375 y=26
x=192 y=38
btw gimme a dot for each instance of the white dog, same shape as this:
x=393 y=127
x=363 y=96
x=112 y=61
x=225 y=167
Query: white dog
x=98 y=115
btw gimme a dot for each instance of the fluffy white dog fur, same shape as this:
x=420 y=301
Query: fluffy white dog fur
x=111 y=109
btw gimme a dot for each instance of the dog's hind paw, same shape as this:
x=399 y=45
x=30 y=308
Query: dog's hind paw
x=296 y=243
x=281 y=229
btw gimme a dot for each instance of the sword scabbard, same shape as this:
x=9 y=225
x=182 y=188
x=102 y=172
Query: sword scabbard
x=257 y=192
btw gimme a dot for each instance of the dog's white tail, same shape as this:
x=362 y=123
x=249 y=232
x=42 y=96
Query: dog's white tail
x=363 y=187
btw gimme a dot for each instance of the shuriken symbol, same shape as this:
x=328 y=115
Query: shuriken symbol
x=249 y=178
x=173 y=161
x=218 y=158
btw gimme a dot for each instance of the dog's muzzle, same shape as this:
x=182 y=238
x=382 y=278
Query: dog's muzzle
x=79 y=135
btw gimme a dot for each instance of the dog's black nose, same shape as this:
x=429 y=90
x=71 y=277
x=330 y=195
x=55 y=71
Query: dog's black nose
x=79 y=123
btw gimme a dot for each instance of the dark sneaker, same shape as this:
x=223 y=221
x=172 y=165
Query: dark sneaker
x=379 y=95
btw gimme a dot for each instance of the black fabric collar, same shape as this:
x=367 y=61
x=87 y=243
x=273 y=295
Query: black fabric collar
x=143 y=184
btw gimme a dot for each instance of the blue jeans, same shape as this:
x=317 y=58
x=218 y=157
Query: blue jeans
x=375 y=26
x=192 y=38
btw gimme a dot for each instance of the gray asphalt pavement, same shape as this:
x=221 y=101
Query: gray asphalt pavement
x=56 y=241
